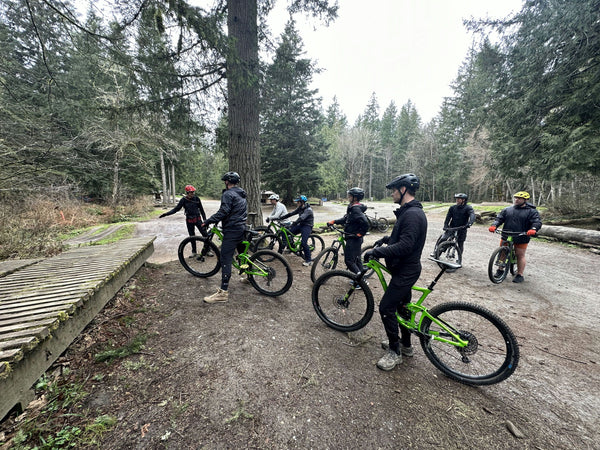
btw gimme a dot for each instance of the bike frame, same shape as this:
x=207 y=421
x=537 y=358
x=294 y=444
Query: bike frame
x=412 y=324
x=507 y=241
x=242 y=262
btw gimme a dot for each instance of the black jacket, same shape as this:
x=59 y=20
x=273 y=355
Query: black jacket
x=192 y=207
x=459 y=215
x=305 y=215
x=405 y=245
x=521 y=219
x=233 y=211
x=354 y=221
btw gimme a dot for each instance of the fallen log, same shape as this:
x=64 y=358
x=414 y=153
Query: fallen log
x=571 y=234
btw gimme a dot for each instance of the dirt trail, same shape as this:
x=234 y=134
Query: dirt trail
x=262 y=372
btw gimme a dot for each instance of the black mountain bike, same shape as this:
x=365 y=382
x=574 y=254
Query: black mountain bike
x=447 y=249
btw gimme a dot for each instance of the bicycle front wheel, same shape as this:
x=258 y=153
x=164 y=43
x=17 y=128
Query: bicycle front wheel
x=498 y=266
x=324 y=262
x=193 y=253
x=340 y=302
x=268 y=242
x=492 y=353
x=382 y=224
x=448 y=252
x=269 y=273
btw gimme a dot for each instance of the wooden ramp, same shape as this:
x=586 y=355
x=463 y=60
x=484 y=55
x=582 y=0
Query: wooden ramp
x=45 y=304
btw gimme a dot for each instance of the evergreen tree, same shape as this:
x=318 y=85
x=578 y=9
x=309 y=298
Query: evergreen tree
x=292 y=145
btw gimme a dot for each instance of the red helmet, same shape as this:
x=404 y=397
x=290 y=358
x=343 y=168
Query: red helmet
x=190 y=188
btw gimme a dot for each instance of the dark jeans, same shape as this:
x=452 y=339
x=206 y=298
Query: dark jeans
x=397 y=295
x=352 y=254
x=305 y=231
x=192 y=224
x=231 y=241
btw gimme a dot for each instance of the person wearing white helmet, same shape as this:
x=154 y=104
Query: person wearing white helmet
x=279 y=208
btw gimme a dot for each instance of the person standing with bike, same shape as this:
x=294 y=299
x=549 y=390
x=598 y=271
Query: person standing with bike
x=458 y=215
x=521 y=217
x=232 y=214
x=194 y=214
x=356 y=225
x=303 y=225
x=279 y=208
x=403 y=258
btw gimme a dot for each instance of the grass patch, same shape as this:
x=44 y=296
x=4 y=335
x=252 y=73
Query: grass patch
x=135 y=346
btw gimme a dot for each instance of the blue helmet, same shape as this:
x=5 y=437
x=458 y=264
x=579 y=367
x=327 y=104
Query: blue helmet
x=301 y=198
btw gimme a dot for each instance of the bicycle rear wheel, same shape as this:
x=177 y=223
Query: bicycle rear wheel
x=198 y=263
x=340 y=302
x=324 y=262
x=269 y=273
x=448 y=252
x=498 y=266
x=315 y=243
x=492 y=353
x=382 y=224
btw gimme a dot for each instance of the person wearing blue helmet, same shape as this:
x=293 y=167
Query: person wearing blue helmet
x=303 y=225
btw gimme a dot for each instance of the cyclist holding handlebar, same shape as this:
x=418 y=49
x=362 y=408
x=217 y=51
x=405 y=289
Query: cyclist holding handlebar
x=523 y=217
x=403 y=258
x=356 y=225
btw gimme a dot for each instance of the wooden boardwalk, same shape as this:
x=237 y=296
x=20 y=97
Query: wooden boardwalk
x=45 y=304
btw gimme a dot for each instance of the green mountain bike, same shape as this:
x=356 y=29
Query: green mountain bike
x=503 y=259
x=329 y=258
x=466 y=342
x=284 y=240
x=268 y=272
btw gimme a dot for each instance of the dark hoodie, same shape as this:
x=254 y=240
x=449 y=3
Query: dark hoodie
x=233 y=211
x=355 y=221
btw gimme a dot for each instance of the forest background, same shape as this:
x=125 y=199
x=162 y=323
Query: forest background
x=108 y=111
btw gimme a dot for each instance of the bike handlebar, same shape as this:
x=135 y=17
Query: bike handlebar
x=456 y=228
x=511 y=233
x=341 y=230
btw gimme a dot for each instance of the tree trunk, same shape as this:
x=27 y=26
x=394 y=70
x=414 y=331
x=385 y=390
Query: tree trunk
x=571 y=234
x=164 y=177
x=173 y=181
x=243 y=96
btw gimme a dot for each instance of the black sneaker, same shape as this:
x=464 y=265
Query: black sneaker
x=499 y=273
x=518 y=279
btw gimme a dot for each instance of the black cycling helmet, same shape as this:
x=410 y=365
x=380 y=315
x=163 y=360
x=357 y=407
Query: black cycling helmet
x=356 y=192
x=410 y=180
x=232 y=177
x=461 y=195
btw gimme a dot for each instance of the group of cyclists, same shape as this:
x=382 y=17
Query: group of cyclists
x=401 y=250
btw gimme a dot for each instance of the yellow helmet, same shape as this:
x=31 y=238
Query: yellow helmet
x=522 y=194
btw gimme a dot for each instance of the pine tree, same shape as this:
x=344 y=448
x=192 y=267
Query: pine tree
x=292 y=145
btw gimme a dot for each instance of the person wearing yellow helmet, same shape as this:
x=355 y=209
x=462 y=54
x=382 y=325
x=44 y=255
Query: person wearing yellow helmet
x=522 y=217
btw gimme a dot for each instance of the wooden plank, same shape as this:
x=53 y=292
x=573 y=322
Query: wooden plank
x=23 y=306
x=40 y=333
x=51 y=301
x=24 y=315
x=6 y=323
x=14 y=354
x=50 y=323
x=26 y=343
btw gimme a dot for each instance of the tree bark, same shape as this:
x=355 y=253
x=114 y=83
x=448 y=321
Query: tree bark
x=164 y=177
x=571 y=234
x=243 y=98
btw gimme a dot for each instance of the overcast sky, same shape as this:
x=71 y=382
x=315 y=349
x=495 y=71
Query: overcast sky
x=399 y=49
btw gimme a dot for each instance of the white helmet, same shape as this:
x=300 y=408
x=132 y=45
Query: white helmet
x=274 y=197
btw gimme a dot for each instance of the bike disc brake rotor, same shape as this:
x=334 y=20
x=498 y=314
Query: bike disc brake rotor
x=472 y=346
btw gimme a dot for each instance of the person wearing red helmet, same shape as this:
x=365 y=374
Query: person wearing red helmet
x=194 y=214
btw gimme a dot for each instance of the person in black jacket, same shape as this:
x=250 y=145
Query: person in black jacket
x=457 y=216
x=356 y=223
x=232 y=214
x=194 y=214
x=403 y=258
x=522 y=217
x=303 y=225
